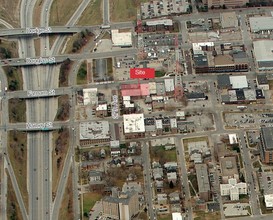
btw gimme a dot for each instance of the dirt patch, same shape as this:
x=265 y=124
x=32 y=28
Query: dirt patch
x=10 y=11
x=64 y=72
x=63 y=108
x=124 y=10
x=13 y=209
x=66 y=211
x=17 y=151
x=61 y=144
x=62 y=10
x=17 y=110
x=92 y=15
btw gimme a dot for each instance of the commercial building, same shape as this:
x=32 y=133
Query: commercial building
x=266 y=147
x=196 y=96
x=262 y=82
x=135 y=90
x=238 y=82
x=229 y=169
x=261 y=24
x=203 y=181
x=124 y=206
x=233 y=189
x=227 y=3
x=263 y=54
x=94 y=132
x=157 y=25
x=121 y=38
x=134 y=125
x=90 y=96
x=243 y=96
x=229 y=20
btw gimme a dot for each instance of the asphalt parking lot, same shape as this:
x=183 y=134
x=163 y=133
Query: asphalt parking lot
x=242 y=120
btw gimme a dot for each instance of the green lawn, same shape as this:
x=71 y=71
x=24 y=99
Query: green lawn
x=159 y=73
x=89 y=200
x=201 y=215
x=124 y=10
x=159 y=152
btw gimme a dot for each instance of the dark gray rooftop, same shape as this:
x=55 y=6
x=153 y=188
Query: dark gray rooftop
x=267 y=134
x=262 y=79
x=223 y=81
x=200 y=60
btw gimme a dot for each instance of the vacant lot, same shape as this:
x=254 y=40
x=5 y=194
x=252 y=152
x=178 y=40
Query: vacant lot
x=13 y=209
x=82 y=74
x=89 y=200
x=63 y=108
x=17 y=110
x=61 y=144
x=17 y=150
x=92 y=15
x=196 y=139
x=66 y=211
x=124 y=10
x=15 y=78
x=62 y=10
x=9 y=11
x=158 y=153
x=201 y=215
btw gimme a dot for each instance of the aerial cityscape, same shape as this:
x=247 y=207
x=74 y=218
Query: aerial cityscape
x=136 y=109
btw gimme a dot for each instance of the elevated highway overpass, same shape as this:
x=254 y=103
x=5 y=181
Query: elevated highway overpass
x=61 y=58
x=39 y=31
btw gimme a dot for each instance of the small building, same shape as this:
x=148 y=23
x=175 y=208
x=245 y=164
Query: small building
x=101 y=110
x=95 y=180
x=172 y=177
x=162 y=198
x=159 y=184
x=132 y=187
x=169 y=86
x=262 y=82
x=180 y=115
x=174 y=197
x=233 y=139
x=203 y=181
x=233 y=189
x=115 y=148
x=158 y=173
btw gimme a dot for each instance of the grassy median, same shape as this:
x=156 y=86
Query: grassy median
x=92 y=15
x=17 y=151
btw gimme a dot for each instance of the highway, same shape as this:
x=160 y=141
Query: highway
x=106 y=14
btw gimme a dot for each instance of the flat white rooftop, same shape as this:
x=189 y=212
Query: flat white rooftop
x=261 y=23
x=94 y=130
x=238 y=82
x=133 y=123
x=263 y=50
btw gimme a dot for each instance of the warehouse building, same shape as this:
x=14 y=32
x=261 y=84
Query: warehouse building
x=263 y=52
x=261 y=24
